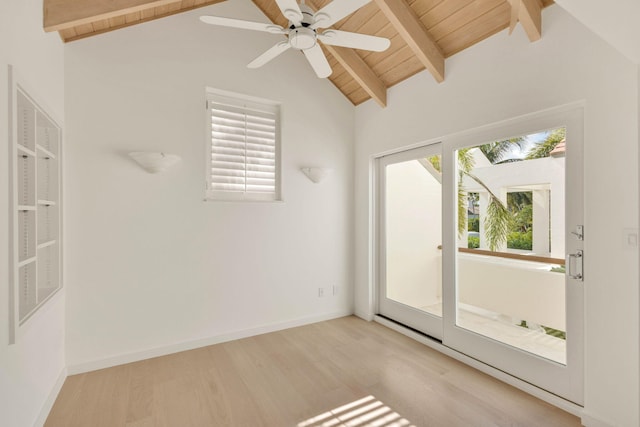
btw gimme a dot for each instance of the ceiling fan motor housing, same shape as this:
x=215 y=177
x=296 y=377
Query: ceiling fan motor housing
x=303 y=37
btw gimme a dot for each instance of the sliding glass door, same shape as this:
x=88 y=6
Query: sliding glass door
x=411 y=237
x=481 y=246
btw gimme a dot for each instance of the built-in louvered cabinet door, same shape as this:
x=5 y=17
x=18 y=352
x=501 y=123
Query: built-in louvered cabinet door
x=35 y=245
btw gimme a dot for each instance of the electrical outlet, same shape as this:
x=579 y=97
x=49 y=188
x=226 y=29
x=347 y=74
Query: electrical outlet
x=320 y=292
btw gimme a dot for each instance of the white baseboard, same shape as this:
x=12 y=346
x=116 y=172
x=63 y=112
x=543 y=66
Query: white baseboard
x=51 y=399
x=589 y=420
x=203 y=342
x=364 y=315
x=550 y=398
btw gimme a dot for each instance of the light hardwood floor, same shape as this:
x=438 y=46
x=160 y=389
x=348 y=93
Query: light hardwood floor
x=343 y=372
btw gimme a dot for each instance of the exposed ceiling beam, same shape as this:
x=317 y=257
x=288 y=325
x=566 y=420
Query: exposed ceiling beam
x=358 y=69
x=122 y=21
x=361 y=73
x=530 y=16
x=414 y=33
x=63 y=14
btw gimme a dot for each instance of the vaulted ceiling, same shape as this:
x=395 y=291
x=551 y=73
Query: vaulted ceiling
x=423 y=33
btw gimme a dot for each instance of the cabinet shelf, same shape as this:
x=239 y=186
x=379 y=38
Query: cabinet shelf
x=46 y=152
x=46 y=202
x=25 y=151
x=47 y=244
x=26 y=261
x=45 y=293
x=24 y=208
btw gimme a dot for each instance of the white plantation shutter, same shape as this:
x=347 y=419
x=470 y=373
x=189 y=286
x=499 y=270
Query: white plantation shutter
x=243 y=149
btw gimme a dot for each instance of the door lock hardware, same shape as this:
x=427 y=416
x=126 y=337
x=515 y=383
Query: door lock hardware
x=579 y=232
x=577 y=261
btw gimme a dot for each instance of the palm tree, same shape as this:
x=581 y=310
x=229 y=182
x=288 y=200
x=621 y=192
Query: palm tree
x=496 y=150
x=498 y=219
x=544 y=148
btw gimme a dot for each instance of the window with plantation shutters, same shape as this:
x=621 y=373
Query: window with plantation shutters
x=244 y=149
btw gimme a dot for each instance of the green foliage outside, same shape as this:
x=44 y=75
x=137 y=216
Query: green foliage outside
x=518 y=240
x=520 y=236
x=474 y=224
x=555 y=333
x=473 y=242
x=549 y=331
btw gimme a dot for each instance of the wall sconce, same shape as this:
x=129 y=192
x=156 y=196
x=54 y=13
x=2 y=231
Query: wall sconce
x=154 y=162
x=316 y=175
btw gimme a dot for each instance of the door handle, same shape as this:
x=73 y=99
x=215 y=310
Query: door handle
x=579 y=232
x=577 y=258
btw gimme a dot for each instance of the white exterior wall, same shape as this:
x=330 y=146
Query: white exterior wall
x=549 y=171
x=504 y=77
x=32 y=369
x=154 y=267
x=521 y=289
x=414 y=272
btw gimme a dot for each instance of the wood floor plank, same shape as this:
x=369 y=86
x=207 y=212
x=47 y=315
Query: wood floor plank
x=343 y=372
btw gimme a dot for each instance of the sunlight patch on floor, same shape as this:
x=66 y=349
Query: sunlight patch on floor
x=365 y=412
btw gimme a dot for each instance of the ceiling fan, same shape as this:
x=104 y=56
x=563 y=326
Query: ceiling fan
x=302 y=33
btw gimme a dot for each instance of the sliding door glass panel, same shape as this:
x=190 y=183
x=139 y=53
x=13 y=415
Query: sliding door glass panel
x=413 y=234
x=511 y=244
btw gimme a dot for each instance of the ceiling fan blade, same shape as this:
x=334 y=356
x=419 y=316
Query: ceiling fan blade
x=354 y=40
x=318 y=61
x=335 y=11
x=269 y=54
x=515 y=10
x=247 y=25
x=291 y=11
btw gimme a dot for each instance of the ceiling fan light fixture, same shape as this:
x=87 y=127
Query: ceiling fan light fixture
x=302 y=38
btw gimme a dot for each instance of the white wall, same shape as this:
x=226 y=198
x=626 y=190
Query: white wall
x=617 y=23
x=153 y=265
x=32 y=369
x=504 y=77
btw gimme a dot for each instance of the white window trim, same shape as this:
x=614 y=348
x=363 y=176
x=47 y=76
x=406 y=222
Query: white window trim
x=250 y=103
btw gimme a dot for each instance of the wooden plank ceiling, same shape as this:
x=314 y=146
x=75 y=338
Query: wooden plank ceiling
x=423 y=33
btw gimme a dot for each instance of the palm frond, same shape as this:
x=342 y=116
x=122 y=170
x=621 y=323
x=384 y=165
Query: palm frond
x=544 y=148
x=496 y=150
x=465 y=165
x=496 y=223
x=465 y=160
x=435 y=162
x=462 y=210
